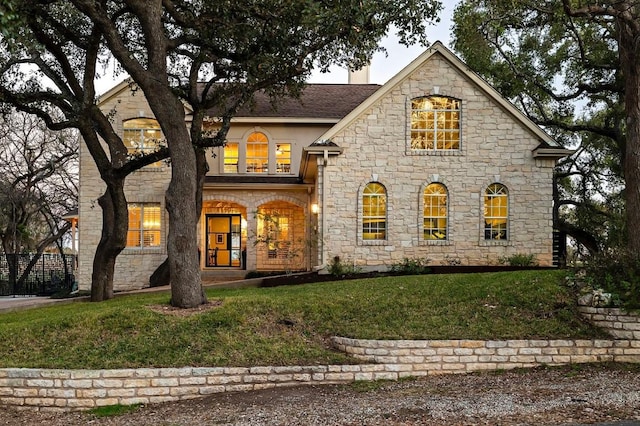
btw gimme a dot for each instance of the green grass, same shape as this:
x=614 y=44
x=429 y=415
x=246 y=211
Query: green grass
x=113 y=410
x=291 y=325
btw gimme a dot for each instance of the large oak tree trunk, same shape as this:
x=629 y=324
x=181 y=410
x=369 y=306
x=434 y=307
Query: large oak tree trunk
x=180 y=197
x=115 y=223
x=630 y=63
x=161 y=275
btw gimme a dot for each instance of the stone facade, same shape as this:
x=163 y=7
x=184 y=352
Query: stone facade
x=495 y=148
x=372 y=144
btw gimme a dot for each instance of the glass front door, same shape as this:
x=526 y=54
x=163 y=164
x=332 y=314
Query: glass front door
x=224 y=244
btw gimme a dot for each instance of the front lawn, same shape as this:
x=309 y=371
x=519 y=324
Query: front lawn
x=291 y=325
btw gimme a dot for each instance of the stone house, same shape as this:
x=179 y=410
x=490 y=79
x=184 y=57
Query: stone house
x=433 y=164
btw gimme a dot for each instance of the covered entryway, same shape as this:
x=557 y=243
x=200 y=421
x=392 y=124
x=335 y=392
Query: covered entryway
x=224 y=240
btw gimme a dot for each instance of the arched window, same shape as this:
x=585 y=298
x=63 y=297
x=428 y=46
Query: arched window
x=435 y=123
x=257 y=153
x=435 y=212
x=374 y=212
x=142 y=135
x=496 y=212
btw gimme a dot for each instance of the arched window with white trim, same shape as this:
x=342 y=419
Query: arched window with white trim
x=374 y=212
x=496 y=212
x=435 y=214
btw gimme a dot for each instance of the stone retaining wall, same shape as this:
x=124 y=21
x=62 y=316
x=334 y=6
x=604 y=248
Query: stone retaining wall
x=390 y=360
x=615 y=321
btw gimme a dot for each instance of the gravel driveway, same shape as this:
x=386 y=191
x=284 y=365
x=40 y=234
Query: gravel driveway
x=546 y=396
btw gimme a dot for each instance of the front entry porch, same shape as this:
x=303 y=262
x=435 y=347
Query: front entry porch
x=268 y=236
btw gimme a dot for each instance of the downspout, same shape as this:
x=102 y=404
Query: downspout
x=322 y=220
x=325 y=160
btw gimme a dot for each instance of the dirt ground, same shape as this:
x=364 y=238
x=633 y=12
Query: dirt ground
x=584 y=394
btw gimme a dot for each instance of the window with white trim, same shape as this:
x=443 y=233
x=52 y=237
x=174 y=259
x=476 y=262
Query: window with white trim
x=435 y=212
x=142 y=135
x=144 y=225
x=496 y=212
x=231 y=157
x=374 y=212
x=435 y=124
x=283 y=158
x=257 y=153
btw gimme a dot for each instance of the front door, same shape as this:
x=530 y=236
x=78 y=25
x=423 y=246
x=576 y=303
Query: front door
x=223 y=240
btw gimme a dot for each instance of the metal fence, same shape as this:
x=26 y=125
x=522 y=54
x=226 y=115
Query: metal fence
x=48 y=275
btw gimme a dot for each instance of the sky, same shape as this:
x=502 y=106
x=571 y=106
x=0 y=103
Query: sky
x=383 y=67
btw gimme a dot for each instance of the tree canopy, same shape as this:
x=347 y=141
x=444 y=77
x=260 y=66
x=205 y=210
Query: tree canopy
x=202 y=52
x=570 y=67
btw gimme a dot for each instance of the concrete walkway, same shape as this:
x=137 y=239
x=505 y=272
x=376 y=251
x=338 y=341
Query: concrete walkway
x=19 y=303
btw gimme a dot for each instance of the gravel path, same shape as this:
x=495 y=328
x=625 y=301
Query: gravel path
x=552 y=396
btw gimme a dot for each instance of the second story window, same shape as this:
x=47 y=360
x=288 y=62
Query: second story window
x=142 y=135
x=231 y=157
x=257 y=153
x=435 y=124
x=283 y=158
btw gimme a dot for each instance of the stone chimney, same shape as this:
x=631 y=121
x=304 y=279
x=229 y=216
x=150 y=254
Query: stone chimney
x=360 y=76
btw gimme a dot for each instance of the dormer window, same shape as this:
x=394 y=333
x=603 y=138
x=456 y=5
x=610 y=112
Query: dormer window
x=435 y=124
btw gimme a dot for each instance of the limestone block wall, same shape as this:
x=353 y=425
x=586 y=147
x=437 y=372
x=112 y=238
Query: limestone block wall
x=617 y=322
x=422 y=357
x=389 y=360
x=495 y=147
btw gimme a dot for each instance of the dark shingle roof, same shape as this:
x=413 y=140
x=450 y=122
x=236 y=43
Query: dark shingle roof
x=316 y=101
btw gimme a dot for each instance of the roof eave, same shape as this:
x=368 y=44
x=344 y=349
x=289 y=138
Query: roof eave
x=549 y=152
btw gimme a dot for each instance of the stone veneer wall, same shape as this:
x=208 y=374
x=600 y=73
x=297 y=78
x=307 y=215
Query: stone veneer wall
x=390 y=360
x=494 y=147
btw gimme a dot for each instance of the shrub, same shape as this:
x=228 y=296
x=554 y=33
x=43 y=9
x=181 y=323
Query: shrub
x=411 y=266
x=519 y=259
x=338 y=268
x=617 y=272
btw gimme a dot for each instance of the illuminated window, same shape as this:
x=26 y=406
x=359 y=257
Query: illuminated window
x=144 y=225
x=374 y=212
x=435 y=212
x=142 y=135
x=257 y=153
x=283 y=158
x=496 y=212
x=435 y=123
x=231 y=158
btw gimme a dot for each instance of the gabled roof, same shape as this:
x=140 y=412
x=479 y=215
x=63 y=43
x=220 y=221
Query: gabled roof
x=438 y=48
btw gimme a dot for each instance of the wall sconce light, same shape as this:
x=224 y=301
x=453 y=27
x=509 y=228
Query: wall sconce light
x=314 y=208
x=436 y=90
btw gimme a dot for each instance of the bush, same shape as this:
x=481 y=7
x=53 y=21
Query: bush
x=411 y=266
x=519 y=259
x=338 y=268
x=617 y=272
